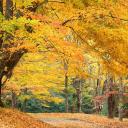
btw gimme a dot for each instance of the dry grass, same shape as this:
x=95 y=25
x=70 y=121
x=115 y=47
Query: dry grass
x=15 y=119
x=81 y=120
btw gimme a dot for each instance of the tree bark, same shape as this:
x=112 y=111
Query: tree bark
x=1 y=10
x=98 y=87
x=14 y=103
x=66 y=94
x=1 y=6
x=111 y=100
x=1 y=41
x=98 y=91
x=73 y=109
x=111 y=106
x=77 y=84
x=9 y=9
x=98 y=81
x=1 y=103
x=120 y=109
x=79 y=97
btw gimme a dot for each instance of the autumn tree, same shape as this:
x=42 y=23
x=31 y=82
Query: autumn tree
x=12 y=47
x=109 y=23
x=67 y=32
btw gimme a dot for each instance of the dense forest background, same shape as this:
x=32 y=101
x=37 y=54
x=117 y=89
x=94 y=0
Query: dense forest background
x=64 y=56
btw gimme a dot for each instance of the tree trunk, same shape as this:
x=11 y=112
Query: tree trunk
x=1 y=103
x=14 y=103
x=1 y=6
x=98 y=91
x=120 y=109
x=77 y=84
x=66 y=94
x=1 y=10
x=111 y=100
x=1 y=41
x=73 y=109
x=79 y=97
x=9 y=9
x=111 y=106
x=98 y=87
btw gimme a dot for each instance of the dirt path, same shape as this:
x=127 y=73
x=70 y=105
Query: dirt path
x=79 y=120
x=71 y=123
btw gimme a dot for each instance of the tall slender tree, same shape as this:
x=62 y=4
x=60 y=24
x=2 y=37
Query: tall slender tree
x=66 y=87
x=77 y=84
x=1 y=6
x=1 y=41
x=121 y=91
x=9 y=9
x=111 y=99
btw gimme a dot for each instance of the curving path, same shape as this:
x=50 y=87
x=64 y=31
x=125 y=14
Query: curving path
x=71 y=123
x=79 y=120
